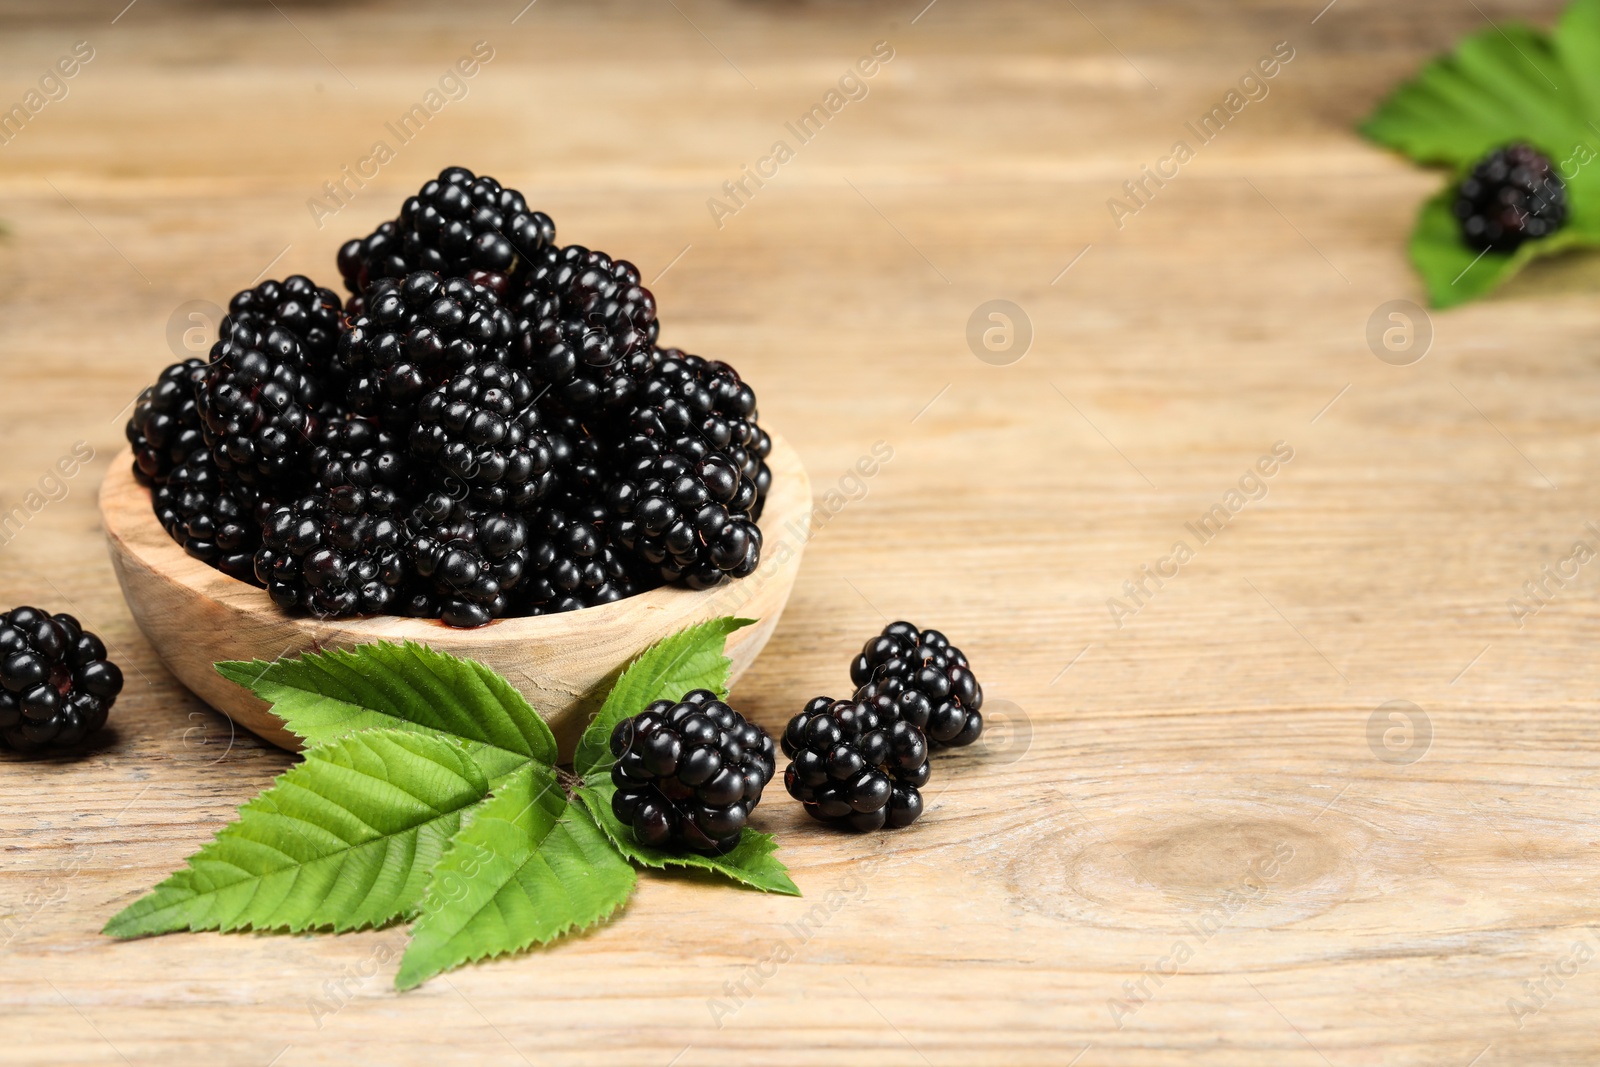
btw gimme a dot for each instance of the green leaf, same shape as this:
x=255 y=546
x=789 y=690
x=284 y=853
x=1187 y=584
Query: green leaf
x=689 y=659
x=1455 y=273
x=527 y=869
x=343 y=840
x=1497 y=87
x=752 y=863
x=324 y=695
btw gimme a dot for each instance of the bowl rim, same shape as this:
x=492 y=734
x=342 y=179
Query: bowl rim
x=130 y=523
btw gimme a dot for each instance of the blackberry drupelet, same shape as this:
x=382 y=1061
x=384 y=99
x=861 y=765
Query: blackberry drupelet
x=1512 y=195
x=481 y=430
x=414 y=335
x=688 y=774
x=457 y=224
x=854 y=766
x=585 y=329
x=216 y=523
x=918 y=676
x=165 y=428
x=337 y=553
x=56 y=685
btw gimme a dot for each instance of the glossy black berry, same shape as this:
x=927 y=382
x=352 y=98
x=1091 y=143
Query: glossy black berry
x=853 y=766
x=480 y=429
x=164 y=429
x=919 y=677
x=586 y=329
x=572 y=566
x=216 y=523
x=688 y=774
x=459 y=224
x=56 y=684
x=1512 y=195
x=338 y=553
x=261 y=403
x=414 y=335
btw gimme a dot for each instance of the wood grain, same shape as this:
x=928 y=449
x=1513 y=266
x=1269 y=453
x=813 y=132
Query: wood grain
x=1202 y=774
x=194 y=616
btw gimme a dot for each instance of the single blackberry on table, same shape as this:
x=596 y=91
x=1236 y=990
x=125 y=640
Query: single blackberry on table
x=261 y=403
x=414 y=335
x=689 y=773
x=458 y=224
x=918 y=676
x=585 y=329
x=216 y=523
x=570 y=564
x=851 y=765
x=1512 y=195
x=337 y=553
x=481 y=430
x=56 y=684
x=165 y=428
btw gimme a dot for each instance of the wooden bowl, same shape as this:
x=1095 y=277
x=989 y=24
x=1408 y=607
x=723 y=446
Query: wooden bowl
x=194 y=615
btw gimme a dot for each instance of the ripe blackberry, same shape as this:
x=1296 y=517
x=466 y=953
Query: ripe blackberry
x=682 y=518
x=467 y=562
x=1512 y=195
x=414 y=335
x=336 y=553
x=358 y=451
x=852 y=765
x=703 y=406
x=313 y=314
x=586 y=329
x=261 y=403
x=918 y=676
x=165 y=427
x=481 y=430
x=216 y=523
x=688 y=774
x=571 y=566
x=56 y=684
x=457 y=224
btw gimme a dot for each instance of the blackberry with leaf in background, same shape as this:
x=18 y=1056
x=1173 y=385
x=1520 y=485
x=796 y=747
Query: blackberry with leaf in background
x=854 y=766
x=56 y=684
x=918 y=676
x=1511 y=196
x=165 y=428
x=458 y=224
x=216 y=522
x=689 y=773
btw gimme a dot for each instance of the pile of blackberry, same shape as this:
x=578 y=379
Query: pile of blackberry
x=1512 y=195
x=862 y=762
x=56 y=685
x=487 y=428
x=688 y=774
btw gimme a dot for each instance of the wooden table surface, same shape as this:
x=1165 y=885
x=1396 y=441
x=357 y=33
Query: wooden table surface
x=1201 y=833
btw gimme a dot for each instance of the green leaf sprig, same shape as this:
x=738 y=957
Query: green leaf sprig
x=429 y=792
x=1506 y=84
